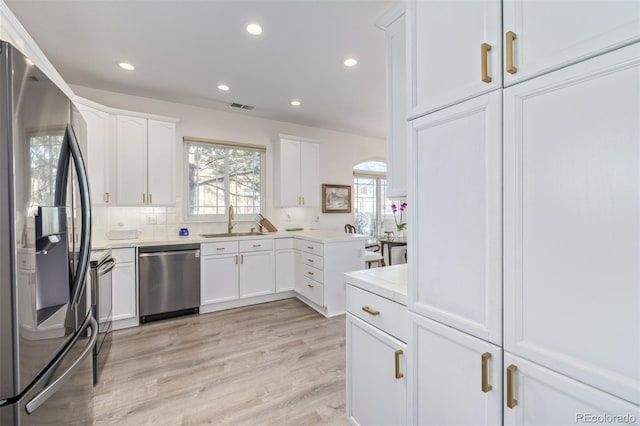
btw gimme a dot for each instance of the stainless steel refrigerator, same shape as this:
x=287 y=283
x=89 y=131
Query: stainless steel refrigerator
x=46 y=330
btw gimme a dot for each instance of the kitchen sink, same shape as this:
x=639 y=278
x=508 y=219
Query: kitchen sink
x=231 y=234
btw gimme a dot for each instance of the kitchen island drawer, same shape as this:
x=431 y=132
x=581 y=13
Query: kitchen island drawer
x=256 y=245
x=309 y=247
x=313 y=273
x=387 y=315
x=221 y=247
x=312 y=290
x=313 y=260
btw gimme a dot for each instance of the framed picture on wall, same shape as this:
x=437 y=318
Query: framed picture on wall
x=336 y=198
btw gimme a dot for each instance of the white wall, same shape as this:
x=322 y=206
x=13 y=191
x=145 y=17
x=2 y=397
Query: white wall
x=339 y=152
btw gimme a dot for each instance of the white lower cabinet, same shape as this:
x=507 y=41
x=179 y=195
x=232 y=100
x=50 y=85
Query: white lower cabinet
x=376 y=382
x=286 y=264
x=454 y=378
x=320 y=270
x=535 y=395
x=236 y=269
x=124 y=291
x=219 y=278
x=256 y=273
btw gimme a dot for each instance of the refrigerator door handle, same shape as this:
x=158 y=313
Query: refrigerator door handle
x=79 y=280
x=106 y=267
x=48 y=391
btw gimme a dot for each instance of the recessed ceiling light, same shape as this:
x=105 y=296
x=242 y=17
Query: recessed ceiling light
x=295 y=103
x=223 y=87
x=254 y=29
x=126 y=66
x=350 y=62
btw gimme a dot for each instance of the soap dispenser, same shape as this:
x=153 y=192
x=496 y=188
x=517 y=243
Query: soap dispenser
x=316 y=223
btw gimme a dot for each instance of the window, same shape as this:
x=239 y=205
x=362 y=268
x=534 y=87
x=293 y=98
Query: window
x=371 y=205
x=220 y=175
x=44 y=154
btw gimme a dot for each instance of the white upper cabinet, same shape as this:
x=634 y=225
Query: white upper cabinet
x=552 y=34
x=98 y=154
x=296 y=172
x=538 y=396
x=310 y=174
x=454 y=52
x=145 y=161
x=131 y=160
x=394 y=27
x=455 y=163
x=161 y=162
x=572 y=221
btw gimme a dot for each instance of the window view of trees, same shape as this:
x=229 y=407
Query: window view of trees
x=44 y=154
x=219 y=176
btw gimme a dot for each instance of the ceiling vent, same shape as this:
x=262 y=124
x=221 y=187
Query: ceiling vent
x=242 y=106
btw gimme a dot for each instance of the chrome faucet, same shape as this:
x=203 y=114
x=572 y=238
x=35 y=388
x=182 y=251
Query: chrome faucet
x=231 y=217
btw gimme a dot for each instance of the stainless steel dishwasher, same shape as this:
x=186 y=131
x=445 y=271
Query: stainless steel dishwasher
x=169 y=281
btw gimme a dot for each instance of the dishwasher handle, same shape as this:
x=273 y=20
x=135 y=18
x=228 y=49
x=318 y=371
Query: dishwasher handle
x=170 y=253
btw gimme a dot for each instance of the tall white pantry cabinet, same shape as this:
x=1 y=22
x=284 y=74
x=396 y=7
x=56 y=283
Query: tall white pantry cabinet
x=524 y=159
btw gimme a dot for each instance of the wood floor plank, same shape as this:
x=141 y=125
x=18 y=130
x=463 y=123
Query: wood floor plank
x=278 y=363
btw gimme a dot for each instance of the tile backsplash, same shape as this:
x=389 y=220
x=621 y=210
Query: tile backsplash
x=154 y=222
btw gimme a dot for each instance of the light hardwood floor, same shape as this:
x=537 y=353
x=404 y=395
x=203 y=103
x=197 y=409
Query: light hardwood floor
x=272 y=364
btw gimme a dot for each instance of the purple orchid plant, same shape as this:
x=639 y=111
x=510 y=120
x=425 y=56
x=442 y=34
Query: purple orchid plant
x=400 y=225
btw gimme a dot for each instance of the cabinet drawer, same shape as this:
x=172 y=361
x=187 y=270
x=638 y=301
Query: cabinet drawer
x=392 y=317
x=312 y=260
x=124 y=255
x=256 y=245
x=285 y=243
x=312 y=291
x=313 y=273
x=222 y=247
x=309 y=247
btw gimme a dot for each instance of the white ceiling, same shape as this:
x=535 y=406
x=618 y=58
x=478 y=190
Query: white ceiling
x=182 y=50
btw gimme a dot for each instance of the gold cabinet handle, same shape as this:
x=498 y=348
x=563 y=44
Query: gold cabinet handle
x=310 y=285
x=303 y=201
x=310 y=260
x=486 y=387
x=242 y=259
x=220 y=248
x=370 y=311
x=310 y=247
x=150 y=198
x=399 y=374
x=309 y=272
x=257 y=245
x=510 y=38
x=107 y=197
x=144 y=198
x=511 y=371
x=237 y=259
x=485 y=48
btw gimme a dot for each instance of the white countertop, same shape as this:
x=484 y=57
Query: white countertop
x=389 y=282
x=319 y=236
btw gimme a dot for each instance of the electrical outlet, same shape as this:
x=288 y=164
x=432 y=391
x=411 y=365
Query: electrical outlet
x=152 y=220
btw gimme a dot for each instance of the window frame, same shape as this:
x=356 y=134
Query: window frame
x=188 y=217
x=378 y=177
